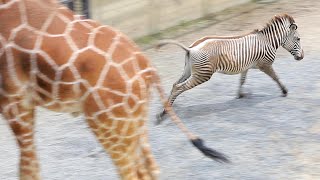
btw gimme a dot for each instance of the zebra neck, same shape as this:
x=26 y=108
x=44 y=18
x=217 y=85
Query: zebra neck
x=274 y=34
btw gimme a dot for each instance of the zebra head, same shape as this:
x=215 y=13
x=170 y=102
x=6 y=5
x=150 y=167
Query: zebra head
x=292 y=43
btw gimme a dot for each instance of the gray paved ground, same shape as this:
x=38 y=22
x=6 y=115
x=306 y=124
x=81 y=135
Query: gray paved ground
x=266 y=136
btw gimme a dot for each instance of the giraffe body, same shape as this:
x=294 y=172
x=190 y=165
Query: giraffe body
x=52 y=58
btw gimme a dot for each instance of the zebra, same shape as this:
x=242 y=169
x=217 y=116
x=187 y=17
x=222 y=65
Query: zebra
x=236 y=54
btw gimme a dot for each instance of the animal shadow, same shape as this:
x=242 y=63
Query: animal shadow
x=192 y=111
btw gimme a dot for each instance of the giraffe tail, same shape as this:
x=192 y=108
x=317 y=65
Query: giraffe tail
x=169 y=41
x=196 y=141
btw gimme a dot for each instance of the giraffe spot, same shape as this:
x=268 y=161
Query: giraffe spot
x=89 y=65
x=80 y=34
x=137 y=90
x=6 y=79
x=45 y=89
x=90 y=106
x=9 y=20
x=125 y=40
x=28 y=172
x=129 y=68
x=119 y=112
x=131 y=102
x=83 y=89
x=66 y=92
x=67 y=75
x=25 y=163
x=120 y=54
x=139 y=110
x=133 y=128
x=92 y=23
x=67 y=13
x=105 y=120
x=107 y=134
x=93 y=125
x=45 y=68
x=109 y=98
x=120 y=127
x=114 y=140
x=57 y=26
x=53 y=107
x=29 y=154
x=114 y=80
x=104 y=38
x=123 y=51
x=22 y=64
x=116 y=154
x=25 y=39
x=57 y=48
x=37 y=16
x=142 y=61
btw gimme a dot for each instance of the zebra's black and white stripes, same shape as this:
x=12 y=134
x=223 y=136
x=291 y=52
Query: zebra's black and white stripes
x=237 y=54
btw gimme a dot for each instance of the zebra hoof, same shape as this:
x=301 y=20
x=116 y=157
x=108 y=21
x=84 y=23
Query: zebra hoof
x=159 y=119
x=241 y=95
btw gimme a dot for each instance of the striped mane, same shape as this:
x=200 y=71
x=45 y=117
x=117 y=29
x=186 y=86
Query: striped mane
x=277 y=18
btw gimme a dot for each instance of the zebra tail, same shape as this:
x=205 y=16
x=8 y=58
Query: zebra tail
x=196 y=141
x=168 y=41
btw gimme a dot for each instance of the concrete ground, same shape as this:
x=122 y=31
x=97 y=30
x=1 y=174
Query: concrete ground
x=267 y=137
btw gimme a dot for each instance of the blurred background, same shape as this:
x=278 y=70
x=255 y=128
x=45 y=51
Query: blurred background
x=267 y=137
x=138 y=18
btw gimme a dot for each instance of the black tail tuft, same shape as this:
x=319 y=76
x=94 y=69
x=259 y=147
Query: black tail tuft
x=211 y=153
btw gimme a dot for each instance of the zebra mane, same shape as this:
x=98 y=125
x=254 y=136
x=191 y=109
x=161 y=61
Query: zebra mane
x=276 y=19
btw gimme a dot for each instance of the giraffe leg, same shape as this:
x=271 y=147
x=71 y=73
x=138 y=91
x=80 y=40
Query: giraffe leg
x=191 y=82
x=149 y=161
x=124 y=148
x=21 y=121
x=242 y=81
x=267 y=69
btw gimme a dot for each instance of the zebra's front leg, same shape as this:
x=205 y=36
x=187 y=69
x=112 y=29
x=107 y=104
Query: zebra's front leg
x=267 y=69
x=177 y=89
x=242 y=81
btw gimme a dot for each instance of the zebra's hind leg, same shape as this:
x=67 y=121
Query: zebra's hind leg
x=242 y=81
x=177 y=89
x=267 y=69
x=186 y=74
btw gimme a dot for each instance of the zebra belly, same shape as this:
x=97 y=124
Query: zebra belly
x=236 y=68
x=229 y=72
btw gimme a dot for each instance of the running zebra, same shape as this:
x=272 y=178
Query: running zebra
x=236 y=54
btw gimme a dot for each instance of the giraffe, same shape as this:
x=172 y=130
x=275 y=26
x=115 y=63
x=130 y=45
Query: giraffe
x=52 y=58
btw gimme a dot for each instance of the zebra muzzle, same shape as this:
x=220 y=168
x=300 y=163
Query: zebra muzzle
x=298 y=58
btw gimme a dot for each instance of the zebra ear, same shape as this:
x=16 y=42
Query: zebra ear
x=293 y=27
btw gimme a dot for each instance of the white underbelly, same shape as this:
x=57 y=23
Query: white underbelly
x=229 y=72
x=237 y=71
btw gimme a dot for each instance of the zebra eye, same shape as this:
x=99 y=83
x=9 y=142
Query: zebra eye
x=298 y=39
